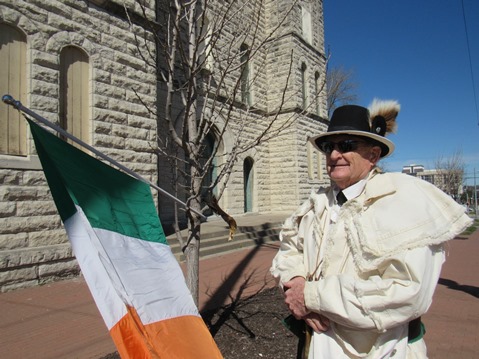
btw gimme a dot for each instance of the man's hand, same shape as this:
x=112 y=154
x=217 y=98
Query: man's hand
x=294 y=297
x=317 y=322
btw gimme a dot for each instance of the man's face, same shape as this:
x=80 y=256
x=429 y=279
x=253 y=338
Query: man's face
x=348 y=168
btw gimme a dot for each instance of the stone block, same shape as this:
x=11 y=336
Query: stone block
x=29 y=224
x=58 y=269
x=35 y=208
x=7 y=209
x=34 y=178
x=48 y=238
x=18 y=275
x=43 y=103
x=30 y=256
x=42 y=58
x=13 y=241
x=18 y=285
x=9 y=177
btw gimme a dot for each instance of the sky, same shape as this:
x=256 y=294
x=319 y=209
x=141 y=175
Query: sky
x=415 y=52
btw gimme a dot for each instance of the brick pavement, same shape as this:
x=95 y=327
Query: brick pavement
x=452 y=322
x=60 y=320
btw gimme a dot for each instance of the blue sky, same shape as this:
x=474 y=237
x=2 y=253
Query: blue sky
x=414 y=52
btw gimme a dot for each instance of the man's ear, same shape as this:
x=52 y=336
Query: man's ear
x=375 y=154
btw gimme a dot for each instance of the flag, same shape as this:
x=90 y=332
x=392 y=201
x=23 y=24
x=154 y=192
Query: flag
x=118 y=240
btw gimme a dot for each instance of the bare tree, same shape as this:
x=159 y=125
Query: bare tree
x=341 y=88
x=203 y=57
x=451 y=173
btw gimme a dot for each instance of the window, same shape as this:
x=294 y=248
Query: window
x=205 y=50
x=310 y=158
x=319 y=165
x=248 y=177
x=317 y=91
x=209 y=149
x=315 y=163
x=74 y=92
x=207 y=152
x=13 y=133
x=306 y=24
x=304 y=87
x=245 y=75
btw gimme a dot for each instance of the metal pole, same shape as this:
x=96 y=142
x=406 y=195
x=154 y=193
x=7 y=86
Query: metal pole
x=475 y=194
x=9 y=100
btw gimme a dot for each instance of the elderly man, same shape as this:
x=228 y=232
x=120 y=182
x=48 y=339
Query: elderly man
x=359 y=261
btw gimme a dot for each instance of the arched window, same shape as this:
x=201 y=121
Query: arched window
x=248 y=176
x=310 y=158
x=74 y=92
x=205 y=50
x=13 y=136
x=209 y=148
x=304 y=86
x=245 y=75
x=317 y=91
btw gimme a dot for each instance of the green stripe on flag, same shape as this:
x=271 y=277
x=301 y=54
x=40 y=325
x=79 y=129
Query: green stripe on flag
x=109 y=198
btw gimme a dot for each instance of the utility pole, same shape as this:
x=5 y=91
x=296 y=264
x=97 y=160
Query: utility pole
x=475 y=194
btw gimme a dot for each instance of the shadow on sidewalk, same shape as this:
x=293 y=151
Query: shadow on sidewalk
x=469 y=289
x=219 y=296
x=225 y=313
x=226 y=293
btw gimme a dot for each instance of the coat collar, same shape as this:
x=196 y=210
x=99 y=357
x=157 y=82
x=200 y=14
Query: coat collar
x=378 y=185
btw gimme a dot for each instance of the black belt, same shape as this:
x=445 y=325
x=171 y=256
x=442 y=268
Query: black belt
x=415 y=330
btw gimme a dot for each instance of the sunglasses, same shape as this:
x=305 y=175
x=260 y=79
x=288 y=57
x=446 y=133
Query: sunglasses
x=328 y=147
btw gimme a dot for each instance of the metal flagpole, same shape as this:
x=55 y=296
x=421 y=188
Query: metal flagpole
x=9 y=100
x=475 y=194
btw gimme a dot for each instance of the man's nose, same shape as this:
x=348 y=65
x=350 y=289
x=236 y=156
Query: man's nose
x=335 y=153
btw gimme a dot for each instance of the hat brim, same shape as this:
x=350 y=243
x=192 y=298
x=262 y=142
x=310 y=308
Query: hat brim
x=388 y=146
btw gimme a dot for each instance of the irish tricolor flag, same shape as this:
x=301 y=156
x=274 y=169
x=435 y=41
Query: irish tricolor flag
x=118 y=240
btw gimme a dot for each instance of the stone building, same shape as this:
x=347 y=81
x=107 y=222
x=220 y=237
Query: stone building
x=451 y=181
x=76 y=63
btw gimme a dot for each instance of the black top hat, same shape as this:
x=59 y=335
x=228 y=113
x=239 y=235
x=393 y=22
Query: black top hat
x=357 y=121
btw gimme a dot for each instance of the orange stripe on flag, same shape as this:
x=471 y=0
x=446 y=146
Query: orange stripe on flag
x=128 y=336
x=185 y=337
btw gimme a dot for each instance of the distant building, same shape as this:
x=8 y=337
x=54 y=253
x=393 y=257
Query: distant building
x=446 y=180
x=413 y=169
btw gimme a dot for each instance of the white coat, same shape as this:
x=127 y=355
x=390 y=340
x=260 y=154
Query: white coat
x=375 y=267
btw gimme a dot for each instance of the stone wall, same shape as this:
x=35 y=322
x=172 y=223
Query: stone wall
x=33 y=244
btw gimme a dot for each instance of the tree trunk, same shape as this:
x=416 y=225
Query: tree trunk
x=192 y=255
x=192 y=250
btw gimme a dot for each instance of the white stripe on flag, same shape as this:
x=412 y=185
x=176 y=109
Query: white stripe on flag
x=151 y=279
x=109 y=304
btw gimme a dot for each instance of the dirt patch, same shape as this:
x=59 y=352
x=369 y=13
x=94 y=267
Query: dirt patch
x=250 y=328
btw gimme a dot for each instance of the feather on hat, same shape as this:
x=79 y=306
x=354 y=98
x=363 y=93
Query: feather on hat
x=387 y=109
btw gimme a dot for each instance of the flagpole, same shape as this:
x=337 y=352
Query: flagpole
x=9 y=100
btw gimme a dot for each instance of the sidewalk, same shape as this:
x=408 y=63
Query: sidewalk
x=60 y=320
x=452 y=322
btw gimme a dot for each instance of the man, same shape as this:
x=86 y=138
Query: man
x=359 y=261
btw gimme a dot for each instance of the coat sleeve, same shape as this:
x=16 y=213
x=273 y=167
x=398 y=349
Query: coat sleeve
x=289 y=261
x=400 y=291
